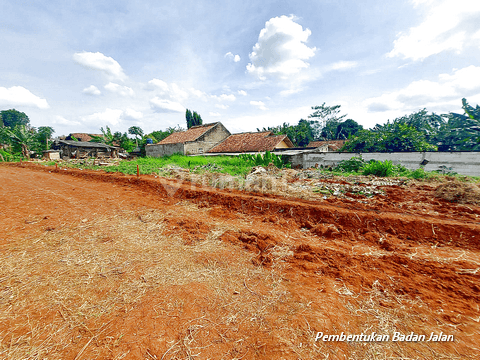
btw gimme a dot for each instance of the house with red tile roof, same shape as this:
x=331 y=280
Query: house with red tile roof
x=252 y=142
x=327 y=145
x=82 y=136
x=196 y=140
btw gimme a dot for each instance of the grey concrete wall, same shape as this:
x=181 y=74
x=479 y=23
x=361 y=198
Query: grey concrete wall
x=465 y=163
x=207 y=141
x=159 y=150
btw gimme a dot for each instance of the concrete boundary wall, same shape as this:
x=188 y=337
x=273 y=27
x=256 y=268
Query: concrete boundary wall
x=465 y=163
x=159 y=150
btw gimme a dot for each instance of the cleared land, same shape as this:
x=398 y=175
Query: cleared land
x=111 y=266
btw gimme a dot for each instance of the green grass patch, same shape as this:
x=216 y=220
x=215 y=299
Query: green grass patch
x=232 y=165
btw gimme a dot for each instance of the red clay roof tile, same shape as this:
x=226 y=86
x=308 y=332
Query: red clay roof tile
x=250 y=142
x=191 y=134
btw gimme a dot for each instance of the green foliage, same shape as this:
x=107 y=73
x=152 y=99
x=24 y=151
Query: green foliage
x=12 y=118
x=355 y=164
x=93 y=140
x=263 y=160
x=419 y=173
x=193 y=118
x=398 y=136
x=159 y=135
x=461 y=132
x=378 y=168
x=300 y=134
x=7 y=157
x=337 y=130
x=135 y=130
x=43 y=136
x=22 y=138
x=347 y=128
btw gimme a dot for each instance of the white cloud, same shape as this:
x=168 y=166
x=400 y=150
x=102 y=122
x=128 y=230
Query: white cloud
x=259 y=104
x=19 y=96
x=224 y=97
x=281 y=50
x=214 y=114
x=98 y=61
x=162 y=105
x=157 y=84
x=109 y=116
x=130 y=114
x=446 y=28
x=198 y=93
x=230 y=56
x=242 y=92
x=91 y=90
x=62 y=121
x=120 y=89
x=342 y=65
x=438 y=95
x=171 y=91
x=221 y=106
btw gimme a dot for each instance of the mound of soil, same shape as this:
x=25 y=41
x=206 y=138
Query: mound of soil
x=458 y=192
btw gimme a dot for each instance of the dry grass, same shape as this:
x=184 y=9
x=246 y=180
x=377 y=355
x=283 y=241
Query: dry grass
x=64 y=288
x=459 y=192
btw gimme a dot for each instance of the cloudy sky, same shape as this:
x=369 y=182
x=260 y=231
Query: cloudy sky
x=80 y=65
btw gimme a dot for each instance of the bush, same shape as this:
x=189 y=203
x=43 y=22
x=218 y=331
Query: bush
x=378 y=168
x=419 y=174
x=9 y=157
x=265 y=160
x=352 y=165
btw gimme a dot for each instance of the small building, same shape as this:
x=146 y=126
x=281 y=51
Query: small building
x=327 y=145
x=196 y=140
x=51 y=154
x=252 y=142
x=81 y=149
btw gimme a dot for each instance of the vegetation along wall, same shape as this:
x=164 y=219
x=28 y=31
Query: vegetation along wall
x=462 y=162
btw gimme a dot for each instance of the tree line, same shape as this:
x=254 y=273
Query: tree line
x=419 y=131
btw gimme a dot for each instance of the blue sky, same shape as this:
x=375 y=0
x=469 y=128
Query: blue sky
x=81 y=65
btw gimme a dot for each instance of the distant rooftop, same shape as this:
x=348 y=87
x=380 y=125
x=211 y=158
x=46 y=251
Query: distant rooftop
x=191 y=134
x=251 y=142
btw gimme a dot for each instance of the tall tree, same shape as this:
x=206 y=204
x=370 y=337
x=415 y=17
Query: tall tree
x=197 y=119
x=137 y=131
x=43 y=136
x=324 y=114
x=347 y=128
x=12 y=118
x=189 y=118
x=192 y=118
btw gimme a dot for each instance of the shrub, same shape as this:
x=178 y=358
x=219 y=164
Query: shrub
x=378 y=168
x=420 y=173
x=263 y=160
x=352 y=165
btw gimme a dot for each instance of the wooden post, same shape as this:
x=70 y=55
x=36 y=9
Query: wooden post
x=138 y=171
x=56 y=167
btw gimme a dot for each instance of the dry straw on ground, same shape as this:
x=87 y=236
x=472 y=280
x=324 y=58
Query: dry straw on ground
x=459 y=192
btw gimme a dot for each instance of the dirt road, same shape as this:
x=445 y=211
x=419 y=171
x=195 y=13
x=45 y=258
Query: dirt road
x=109 y=266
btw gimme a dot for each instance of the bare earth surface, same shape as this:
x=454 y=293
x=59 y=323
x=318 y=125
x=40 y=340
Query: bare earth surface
x=108 y=266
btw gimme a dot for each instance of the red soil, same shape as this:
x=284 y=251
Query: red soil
x=404 y=262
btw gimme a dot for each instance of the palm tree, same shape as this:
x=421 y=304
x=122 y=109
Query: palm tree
x=22 y=136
